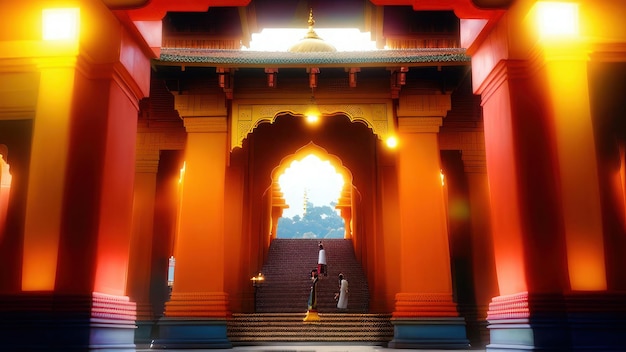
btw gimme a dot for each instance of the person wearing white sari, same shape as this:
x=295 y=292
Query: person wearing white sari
x=342 y=302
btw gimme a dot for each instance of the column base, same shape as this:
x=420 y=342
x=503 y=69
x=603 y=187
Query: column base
x=429 y=333
x=186 y=333
x=53 y=322
x=574 y=322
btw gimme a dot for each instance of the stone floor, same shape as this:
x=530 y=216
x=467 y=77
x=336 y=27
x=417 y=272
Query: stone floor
x=306 y=347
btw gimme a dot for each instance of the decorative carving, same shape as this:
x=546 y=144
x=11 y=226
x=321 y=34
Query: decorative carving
x=377 y=116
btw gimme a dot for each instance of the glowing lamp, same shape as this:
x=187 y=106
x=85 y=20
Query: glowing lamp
x=312 y=112
x=60 y=24
x=392 y=142
x=557 y=19
x=257 y=280
x=312 y=118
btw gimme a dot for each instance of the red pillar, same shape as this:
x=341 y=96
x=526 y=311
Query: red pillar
x=546 y=208
x=76 y=224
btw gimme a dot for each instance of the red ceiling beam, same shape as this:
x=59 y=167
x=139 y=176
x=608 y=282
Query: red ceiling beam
x=156 y=9
x=484 y=9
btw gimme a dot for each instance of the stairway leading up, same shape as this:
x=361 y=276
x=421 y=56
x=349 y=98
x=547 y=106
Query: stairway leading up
x=287 y=277
x=281 y=303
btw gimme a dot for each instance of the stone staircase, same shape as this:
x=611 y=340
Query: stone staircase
x=288 y=277
x=281 y=301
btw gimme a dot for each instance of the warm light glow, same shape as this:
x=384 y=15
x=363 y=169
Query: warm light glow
x=443 y=183
x=61 y=24
x=312 y=118
x=281 y=39
x=5 y=174
x=181 y=175
x=392 y=142
x=312 y=113
x=557 y=19
x=312 y=178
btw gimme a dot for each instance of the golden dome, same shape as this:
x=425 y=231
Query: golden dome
x=311 y=42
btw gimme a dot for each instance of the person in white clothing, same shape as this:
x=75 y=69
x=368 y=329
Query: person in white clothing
x=342 y=302
x=322 y=268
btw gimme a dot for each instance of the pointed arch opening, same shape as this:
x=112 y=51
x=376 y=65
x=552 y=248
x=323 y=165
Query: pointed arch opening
x=311 y=195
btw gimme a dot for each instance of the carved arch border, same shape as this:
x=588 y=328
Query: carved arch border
x=320 y=152
x=377 y=115
x=346 y=196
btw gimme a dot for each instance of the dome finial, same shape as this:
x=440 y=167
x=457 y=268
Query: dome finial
x=311 y=21
x=311 y=41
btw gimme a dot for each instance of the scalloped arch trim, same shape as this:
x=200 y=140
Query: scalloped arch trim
x=378 y=116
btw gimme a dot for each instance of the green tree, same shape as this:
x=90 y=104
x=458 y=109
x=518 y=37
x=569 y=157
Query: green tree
x=317 y=222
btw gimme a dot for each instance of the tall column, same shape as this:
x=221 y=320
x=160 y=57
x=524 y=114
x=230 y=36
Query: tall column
x=589 y=300
x=545 y=205
x=425 y=315
x=48 y=172
x=77 y=223
x=566 y=68
x=195 y=316
x=140 y=263
x=483 y=263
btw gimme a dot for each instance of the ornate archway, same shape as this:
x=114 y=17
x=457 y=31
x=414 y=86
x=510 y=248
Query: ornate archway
x=345 y=201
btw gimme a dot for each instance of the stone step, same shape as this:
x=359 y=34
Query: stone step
x=340 y=327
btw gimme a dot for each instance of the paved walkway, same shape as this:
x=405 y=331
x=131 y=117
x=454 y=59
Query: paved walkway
x=304 y=347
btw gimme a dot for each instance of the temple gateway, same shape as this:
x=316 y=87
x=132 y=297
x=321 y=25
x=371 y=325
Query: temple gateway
x=481 y=144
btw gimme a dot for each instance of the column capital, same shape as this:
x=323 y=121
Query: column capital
x=474 y=161
x=205 y=124
x=200 y=105
x=416 y=124
x=424 y=105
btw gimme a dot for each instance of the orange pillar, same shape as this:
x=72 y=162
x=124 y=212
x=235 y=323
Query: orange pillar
x=140 y=265
x=425 y=314
x=195 y=316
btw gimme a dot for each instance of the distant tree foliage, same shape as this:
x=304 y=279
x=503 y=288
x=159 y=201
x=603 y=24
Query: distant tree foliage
x=317 y=222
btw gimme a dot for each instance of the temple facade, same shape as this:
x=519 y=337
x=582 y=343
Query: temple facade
x=482 y=148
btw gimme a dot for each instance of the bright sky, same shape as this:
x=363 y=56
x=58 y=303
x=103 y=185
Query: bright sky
x=280 y=39
x=319 y=178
